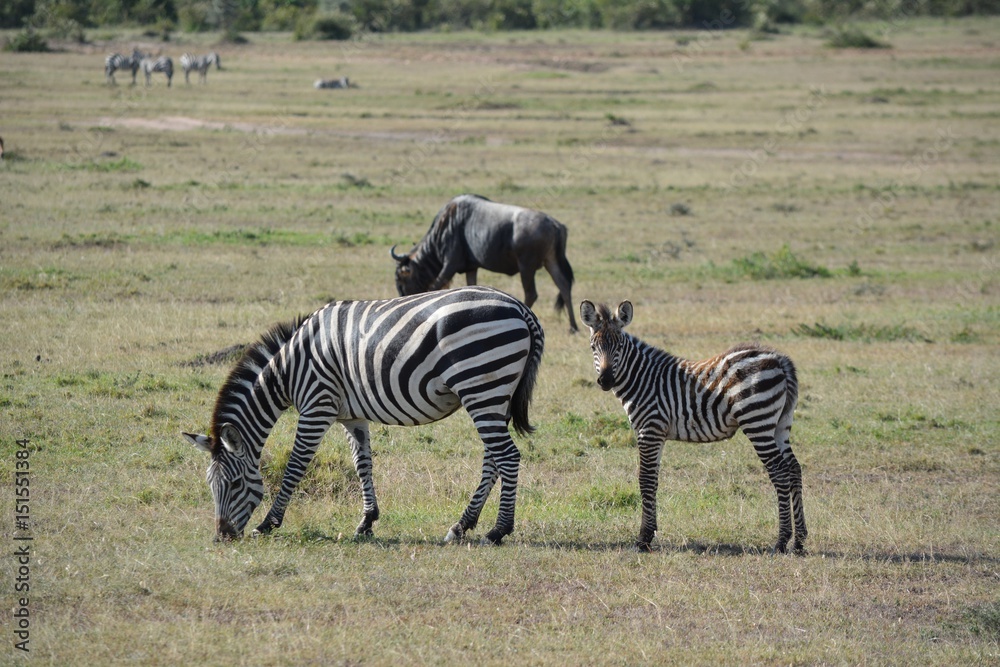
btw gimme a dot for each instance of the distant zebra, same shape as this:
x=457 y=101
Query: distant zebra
x=117 y=61
x=342 y=82
x=162 y=64
x=406 y=361
x=749 y=387
x=201 y=63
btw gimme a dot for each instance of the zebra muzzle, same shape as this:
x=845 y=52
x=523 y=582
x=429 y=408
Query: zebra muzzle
x=224 y=531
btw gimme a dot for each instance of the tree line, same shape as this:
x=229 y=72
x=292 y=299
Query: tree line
x=340 y=19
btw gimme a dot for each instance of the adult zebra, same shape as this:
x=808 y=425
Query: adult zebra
x=406 y=361
x=201 y=63
x=162 y=64
x=749 y=387
x=117 y=61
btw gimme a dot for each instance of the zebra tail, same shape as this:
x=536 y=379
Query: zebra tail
x=791 y=387
x=526 y=387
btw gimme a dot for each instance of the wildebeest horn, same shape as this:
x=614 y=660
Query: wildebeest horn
x=398 y=258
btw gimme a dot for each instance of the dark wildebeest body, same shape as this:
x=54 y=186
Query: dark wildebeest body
x=472 y=232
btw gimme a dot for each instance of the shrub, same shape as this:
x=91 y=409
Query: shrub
x=27 y=41
x=854 y=38
x=325 y=26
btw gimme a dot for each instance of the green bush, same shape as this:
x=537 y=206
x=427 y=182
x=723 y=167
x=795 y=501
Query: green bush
x=26 y=41
x=854 y=38
x=333 y=26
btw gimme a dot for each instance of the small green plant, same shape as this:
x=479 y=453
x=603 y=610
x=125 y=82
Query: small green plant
x=780 y=264
x=867 y=333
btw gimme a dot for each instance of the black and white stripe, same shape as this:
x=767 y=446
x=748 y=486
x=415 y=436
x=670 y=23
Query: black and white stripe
x=162 y=64
x=412 y=360
x=117 y=61
x=201 y=64
x=750 y=387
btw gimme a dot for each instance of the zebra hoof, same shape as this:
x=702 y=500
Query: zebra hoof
x=364 y=534
x=493 y=537
x=455 y=534
x=643 y=547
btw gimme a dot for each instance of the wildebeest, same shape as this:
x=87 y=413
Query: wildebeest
x=472 y=232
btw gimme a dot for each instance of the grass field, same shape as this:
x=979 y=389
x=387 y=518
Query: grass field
x=840 y=205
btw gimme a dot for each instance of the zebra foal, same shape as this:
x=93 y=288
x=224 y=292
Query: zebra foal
x=750 y=387
x=407 y=361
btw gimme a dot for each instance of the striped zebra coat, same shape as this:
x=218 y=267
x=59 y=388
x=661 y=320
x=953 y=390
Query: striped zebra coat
x=163 y=64
x=117 y=61
x=201 y=64
x=406 y=361
x=749 y=387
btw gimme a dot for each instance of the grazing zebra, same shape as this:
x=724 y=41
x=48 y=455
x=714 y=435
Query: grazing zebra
x=200 y=63
x=162 y=64
x=405 y=361
x=117 y=61
x=749 y=387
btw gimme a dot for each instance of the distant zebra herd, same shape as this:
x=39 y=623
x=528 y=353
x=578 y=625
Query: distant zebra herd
x=165 y=64
x=418 y=358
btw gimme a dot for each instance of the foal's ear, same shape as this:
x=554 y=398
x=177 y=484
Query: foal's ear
x=623 y=313
x=199 y=440
x=588 y=313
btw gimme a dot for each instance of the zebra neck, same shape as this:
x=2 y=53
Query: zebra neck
x=255 y=394
x=644 y=364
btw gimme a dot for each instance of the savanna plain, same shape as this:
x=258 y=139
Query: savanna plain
x=840 y=205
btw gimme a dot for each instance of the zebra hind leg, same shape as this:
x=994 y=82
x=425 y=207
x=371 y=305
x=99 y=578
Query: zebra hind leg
x=798 y=512
x=470 y=517
x=508 y=462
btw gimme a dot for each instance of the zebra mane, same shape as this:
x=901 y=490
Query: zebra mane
x=245 y=373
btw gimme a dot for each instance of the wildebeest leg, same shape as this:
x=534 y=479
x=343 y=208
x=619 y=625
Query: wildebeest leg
x=528 y=283
x=470 y=276
x=357 y=435
x=564 y=284
x=313 y=425
x=470 y=517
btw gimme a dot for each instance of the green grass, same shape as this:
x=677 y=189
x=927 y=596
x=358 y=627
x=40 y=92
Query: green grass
x=140 y=251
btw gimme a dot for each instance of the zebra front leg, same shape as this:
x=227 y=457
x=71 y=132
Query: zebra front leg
x=308 y=436
x=470 y=517
x=650 y=450
x=360 y=440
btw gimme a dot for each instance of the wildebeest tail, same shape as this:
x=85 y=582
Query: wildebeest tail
x=522 y=395
x=564 y=266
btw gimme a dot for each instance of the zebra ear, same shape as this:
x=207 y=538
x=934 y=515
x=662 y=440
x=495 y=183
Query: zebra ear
x=231 y=438
x=199 y=440
x=588 y=313
x=624 y=313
